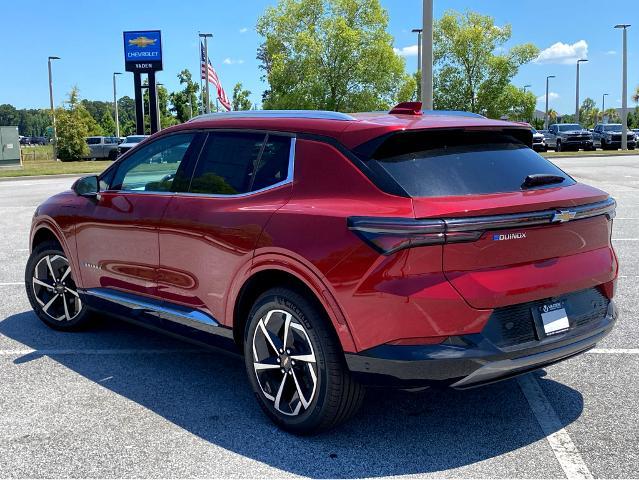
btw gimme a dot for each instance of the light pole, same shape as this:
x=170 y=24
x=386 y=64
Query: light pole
x=427 y=55
x=526 y=86
x=206 y=36
x=55 y=133
x=115 y=104
x=624 y=88
x=546 y=117
x=577 y=90
x=603 y=106
x=419 y=31
x=159 y=117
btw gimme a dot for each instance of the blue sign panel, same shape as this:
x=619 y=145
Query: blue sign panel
x=143 y=50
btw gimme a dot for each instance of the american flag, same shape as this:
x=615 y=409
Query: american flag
x=207 y=71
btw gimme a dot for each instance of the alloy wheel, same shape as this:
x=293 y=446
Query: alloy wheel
x=284 y=362
x=55 y=290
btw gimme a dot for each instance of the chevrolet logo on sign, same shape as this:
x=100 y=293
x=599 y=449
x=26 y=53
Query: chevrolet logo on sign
x=564 y=216
x=142 y=42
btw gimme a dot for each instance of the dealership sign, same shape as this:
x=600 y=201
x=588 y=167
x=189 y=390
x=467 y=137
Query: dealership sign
x=143 y=51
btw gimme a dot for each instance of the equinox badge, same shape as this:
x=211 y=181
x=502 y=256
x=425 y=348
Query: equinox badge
x=510 y=236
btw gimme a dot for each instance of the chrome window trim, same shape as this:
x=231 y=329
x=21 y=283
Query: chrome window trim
x=288 y=180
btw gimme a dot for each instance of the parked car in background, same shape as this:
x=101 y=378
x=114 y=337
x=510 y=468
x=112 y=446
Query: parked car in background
x=103 y=147
x=539 y=141
x=38 y=141
x=336 y=251
x=607 y=136
x=130 y=142
x=25 y=140
x=568 y=136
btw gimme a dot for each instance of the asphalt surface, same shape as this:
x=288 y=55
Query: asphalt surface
x=121 y=401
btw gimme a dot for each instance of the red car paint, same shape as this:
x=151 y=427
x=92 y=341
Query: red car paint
x=199 y=251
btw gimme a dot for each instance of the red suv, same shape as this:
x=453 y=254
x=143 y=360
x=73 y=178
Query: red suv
x=403 y=249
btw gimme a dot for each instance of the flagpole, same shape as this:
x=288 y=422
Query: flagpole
x=199 y=51
x=206 y=59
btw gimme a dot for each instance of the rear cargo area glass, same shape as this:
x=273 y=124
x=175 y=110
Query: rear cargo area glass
x=428 y=164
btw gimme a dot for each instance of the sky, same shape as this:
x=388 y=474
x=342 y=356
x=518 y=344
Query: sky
x=87 y=35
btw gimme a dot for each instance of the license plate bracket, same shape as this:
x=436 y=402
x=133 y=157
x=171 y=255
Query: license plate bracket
x=553 y=317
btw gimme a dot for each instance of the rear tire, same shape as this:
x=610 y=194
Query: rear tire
x=51 y=289
x=296 y=365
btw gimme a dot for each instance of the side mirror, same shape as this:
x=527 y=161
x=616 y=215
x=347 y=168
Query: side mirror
x=87 y=186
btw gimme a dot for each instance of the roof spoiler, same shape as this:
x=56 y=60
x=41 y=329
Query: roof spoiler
x=407 y=108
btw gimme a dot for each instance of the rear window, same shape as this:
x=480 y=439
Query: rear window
x=93 y=140
x=461 y=163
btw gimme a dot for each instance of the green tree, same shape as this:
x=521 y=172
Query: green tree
x=184 y=103
x=9 y=115
x=329 y=54
x=514 y=103
x=241 y=100
x=588 y=113
x=472 y=66
x=72 y=128
x=166 y=118
x=635 y=96
x=107 y=124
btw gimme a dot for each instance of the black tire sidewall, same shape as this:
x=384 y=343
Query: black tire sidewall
x=313 y=322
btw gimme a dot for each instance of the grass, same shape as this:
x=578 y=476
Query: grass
x=38 y=160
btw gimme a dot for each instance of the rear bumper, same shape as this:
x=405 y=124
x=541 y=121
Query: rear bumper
x=470 y=360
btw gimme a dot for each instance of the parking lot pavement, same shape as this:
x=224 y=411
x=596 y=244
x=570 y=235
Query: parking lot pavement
x=120 y=401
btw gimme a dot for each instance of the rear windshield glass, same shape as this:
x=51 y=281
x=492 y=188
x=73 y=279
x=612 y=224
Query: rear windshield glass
x=462 y=163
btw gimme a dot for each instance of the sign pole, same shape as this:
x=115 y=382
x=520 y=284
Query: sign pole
x=139 y=106
x=153 y=103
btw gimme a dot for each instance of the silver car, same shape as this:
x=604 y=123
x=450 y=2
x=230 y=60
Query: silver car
x=103 y=147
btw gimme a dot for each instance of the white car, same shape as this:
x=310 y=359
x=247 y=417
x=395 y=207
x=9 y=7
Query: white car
x=130 y=142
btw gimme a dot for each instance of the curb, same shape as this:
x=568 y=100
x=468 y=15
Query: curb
x=42 y=177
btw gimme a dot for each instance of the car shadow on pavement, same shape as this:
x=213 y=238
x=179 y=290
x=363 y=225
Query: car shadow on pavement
x=207 y=394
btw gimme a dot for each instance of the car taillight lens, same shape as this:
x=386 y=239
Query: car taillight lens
x=388 y=235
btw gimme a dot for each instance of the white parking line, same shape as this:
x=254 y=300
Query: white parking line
x=560 y=442
x=117 y=351
x=628 y=351
x=8 y=284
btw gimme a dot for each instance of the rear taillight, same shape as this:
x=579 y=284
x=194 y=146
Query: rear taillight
x=388 y=235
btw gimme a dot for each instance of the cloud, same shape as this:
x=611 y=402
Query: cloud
x=563 y=53
x=243 y=30
x=410 y=51
x=232 y=61
x=611 y=52
x=551 y=96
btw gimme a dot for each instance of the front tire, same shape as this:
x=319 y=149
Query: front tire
x=558 y=146
x=296 y=365
x=51 y=289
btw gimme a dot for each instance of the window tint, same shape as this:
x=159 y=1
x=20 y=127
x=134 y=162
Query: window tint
x=93 y=140
x=227 y=162
x=461 y=163
x=155 y=166
x=272 y=167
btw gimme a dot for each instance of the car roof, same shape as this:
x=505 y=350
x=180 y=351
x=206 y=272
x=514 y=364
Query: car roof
x=351 y=129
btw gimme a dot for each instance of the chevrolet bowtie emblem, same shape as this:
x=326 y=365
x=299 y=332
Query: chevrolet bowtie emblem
x=563 y=216
x=142 y=42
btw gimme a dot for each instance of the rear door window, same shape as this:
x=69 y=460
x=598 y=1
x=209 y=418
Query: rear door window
x=428 y=164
